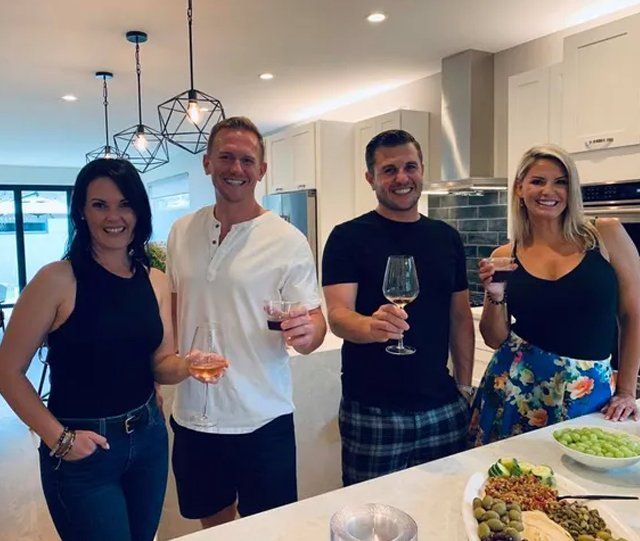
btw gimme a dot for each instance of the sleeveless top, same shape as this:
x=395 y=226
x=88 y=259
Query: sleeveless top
x=101 y=356
x=574 y=316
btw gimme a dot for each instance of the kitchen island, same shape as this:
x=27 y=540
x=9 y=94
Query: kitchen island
x=432 y=493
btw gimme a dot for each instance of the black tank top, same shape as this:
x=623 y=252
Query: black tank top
x=101 y=356
x=573 y=316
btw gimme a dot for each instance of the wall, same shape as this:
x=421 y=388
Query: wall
x=18 y=174
x=622 y=163
x=482 y=223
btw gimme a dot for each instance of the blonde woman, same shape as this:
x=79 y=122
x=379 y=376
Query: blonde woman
x=553 y=322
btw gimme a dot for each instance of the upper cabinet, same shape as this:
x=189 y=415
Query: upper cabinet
x=535 y=111
x=415 y=122
x=291 y=159
x=601 y=103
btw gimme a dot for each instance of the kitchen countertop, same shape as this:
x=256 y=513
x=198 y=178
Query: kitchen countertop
x=432 y=493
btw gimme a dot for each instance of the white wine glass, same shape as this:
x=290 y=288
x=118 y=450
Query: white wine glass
x=205 y=362
x=400 y=287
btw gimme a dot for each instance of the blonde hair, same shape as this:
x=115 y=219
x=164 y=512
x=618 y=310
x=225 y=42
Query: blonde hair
x=575 y=227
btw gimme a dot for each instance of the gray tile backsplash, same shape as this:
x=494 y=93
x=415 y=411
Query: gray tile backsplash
x=482 y=223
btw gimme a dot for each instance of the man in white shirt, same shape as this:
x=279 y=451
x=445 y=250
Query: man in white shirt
x=224 y=261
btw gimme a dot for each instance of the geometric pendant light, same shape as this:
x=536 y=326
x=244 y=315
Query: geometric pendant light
x=146 y=147
x=106 y=150
x=187 y=119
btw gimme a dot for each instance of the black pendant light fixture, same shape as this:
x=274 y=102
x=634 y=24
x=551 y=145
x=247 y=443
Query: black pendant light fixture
x=146 y=147
x=106 y=150
x=187 y=119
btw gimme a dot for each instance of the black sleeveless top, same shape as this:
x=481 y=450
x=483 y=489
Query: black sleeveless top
x=573 y=316
x=101 y=356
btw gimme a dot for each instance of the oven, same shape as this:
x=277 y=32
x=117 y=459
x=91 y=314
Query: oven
x=617 y=199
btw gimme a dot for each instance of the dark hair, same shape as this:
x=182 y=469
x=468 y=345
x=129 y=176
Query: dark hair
x=236 y=123
x=389 y=138
x=128 y=181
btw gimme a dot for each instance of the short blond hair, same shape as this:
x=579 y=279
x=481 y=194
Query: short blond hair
x=575 y=227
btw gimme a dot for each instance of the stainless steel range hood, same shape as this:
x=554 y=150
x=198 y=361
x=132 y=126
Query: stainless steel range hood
x=467 y=125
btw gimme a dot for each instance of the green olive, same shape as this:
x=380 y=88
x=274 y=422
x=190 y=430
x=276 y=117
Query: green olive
x=487 y=502
x=495 y=525
x=516 y=525
x=477 y=502
x=483 y=530
x=514 y=534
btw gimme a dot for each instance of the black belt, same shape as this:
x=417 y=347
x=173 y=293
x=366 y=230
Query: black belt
x=127 y=423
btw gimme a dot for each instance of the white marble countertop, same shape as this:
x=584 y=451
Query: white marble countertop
x=432 y=493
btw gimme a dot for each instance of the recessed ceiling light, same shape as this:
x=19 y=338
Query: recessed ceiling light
x=266 y=76
x=69 y=97
x=376 y=17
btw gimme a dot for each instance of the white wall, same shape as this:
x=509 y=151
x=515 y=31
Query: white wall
x=19 y=174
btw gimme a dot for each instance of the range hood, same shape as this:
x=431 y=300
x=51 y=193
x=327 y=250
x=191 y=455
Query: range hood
x=467 y=125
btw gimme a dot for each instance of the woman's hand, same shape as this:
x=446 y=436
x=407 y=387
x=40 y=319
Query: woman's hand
x=486 y=271
x=85 y=444
x=620 y=407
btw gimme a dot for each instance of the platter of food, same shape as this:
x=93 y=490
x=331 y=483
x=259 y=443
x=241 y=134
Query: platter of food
x=516 y=500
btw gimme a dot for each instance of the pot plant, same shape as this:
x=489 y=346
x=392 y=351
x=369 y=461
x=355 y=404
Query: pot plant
x=157 y=255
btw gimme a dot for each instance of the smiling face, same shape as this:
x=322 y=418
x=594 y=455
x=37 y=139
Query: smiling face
x=544 y=190
x=109 y=217
x=397 y=178
x=235 y=164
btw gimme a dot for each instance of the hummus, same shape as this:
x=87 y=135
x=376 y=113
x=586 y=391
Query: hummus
x=539 y=527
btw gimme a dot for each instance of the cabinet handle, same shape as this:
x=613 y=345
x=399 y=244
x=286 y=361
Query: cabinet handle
x=602 y=141
x=300 y=186
x=278 y=189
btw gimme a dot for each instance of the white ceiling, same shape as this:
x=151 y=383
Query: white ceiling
x=323 y=53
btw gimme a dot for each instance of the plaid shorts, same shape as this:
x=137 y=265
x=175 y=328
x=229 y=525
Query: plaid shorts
x=377 y=441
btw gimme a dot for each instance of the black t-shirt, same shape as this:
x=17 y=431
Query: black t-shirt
x=357 y=252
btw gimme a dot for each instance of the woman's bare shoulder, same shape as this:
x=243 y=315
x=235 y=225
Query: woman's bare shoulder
x=57 y=273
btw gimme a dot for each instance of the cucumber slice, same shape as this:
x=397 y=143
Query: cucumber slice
x=512 y=465
x=525 y=467
x=498 y=470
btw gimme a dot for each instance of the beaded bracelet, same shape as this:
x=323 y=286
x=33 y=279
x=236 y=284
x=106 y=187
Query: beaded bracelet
x=497 y=303
x=63 y=436
x=64 y=452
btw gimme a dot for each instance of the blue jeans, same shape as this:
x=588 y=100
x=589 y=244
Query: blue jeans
x=115 y=494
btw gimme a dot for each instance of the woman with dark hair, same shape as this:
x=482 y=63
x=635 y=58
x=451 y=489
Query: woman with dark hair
x=106 y=317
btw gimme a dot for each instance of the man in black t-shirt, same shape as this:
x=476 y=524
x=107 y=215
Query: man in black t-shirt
x=398 y=410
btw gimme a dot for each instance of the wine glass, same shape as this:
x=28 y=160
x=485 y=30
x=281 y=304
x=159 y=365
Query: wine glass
x=400 y=287
x=503 y=267
x=206 y=340
x=277 y=311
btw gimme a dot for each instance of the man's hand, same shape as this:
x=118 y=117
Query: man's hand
x=388 y=323
x=297 y=329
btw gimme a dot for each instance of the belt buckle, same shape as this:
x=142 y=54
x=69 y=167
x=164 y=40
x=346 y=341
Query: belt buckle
x=128 y=428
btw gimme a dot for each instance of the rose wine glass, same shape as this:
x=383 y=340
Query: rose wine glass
x=206 y=340
x=400 y=287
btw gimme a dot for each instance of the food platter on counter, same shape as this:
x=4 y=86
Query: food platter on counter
x=516 y=501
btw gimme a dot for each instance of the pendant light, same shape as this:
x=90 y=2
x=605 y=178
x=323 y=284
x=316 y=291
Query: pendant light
x=106 y=150
x=187 y=119
x=146 y=147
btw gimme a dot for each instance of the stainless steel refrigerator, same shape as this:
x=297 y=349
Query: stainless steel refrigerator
x=299 y=209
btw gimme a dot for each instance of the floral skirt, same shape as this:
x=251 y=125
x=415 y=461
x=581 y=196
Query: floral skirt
x=525 y=387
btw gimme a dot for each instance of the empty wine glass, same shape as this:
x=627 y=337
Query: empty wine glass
x=400 y=287
x=205 y=342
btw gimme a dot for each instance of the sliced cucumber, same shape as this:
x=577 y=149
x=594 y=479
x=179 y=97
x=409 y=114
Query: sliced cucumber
x=512 y=465
x=525 y=467
x=498 y=470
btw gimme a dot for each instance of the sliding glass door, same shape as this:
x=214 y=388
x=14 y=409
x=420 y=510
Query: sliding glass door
x=34 y=228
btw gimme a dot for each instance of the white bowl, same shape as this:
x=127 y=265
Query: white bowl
x=600 y=462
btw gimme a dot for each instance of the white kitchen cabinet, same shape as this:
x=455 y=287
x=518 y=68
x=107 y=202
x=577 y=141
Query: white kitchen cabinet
x=534 y=116
x=316 y=156
x=601 y=104
x=415 y=122
x=291 y=162
x=535 y=112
